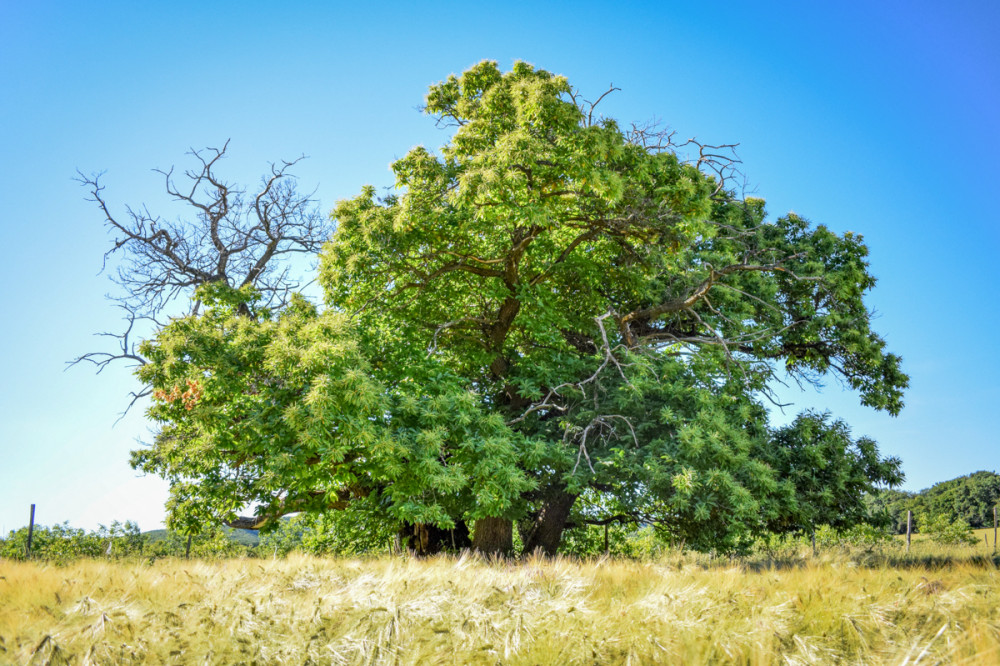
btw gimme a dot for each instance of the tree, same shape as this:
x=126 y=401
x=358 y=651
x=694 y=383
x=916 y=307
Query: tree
x=890 y=506
x=554 y=307
x=828 y=472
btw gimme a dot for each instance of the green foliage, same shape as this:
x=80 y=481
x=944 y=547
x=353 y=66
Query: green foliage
x=968 y=498
x=641 y=543
x=61 y=542
x=941 y=529
x=284 y=412
x=828 y=474
x=861 y=536
x=347 y=532
x=889 y=506
x=551 y=307
x=212 y=543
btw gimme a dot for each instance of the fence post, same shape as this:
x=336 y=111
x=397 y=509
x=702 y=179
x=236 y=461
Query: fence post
x=606 y=551
x=909 y=528
x=994 y=529
x=31 y=530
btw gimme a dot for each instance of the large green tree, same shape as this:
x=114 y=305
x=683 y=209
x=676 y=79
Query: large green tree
x=552 y=307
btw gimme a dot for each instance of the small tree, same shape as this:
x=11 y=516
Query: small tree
x=827 y=474
x=941 y=529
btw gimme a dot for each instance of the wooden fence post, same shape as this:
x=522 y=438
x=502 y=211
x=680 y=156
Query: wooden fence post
x=31 y=530
x=994 y=529
x=909 y=528
x=606 y=551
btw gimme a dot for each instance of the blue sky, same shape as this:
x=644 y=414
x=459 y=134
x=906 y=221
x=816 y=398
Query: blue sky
x=874 y=117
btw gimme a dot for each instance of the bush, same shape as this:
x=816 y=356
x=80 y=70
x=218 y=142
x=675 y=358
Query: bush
x=947 y=532
x=623 y=541
x=347 y=532
x=864 y=536
x=213 y=544
x=62 y=542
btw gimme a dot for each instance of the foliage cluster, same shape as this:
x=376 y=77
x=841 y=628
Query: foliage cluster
x=62 y=542
x=942 y=529
x=218 y=543
x=342 y=533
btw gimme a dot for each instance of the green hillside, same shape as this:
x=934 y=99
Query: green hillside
x=242 y=537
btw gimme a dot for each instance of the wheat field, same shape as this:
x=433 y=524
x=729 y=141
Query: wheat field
x=684 y=609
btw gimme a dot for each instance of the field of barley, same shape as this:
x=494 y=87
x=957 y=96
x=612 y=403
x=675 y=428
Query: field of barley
x=927 y=607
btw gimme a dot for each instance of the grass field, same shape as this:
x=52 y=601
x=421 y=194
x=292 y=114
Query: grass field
x=935 y=605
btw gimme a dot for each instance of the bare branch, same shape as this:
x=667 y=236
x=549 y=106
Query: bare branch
x=225 y=237
x=609 y=359
x=589 y=106
x=128 y=348
x=698 y=293
x=719 y=160
x=230 y=238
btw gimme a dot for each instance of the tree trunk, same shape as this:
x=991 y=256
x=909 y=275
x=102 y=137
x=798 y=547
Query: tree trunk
x=494 y=536
x=425 y=540
x=546 y=531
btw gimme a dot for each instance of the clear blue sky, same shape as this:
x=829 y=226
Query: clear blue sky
x=875 y=117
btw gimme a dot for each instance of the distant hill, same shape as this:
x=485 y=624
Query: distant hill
x=242 y=537
x=970 y=498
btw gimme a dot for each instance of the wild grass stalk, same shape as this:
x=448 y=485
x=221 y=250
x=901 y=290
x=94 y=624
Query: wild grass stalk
x=837 y=608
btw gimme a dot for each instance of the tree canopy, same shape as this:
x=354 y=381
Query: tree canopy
x=552 y=320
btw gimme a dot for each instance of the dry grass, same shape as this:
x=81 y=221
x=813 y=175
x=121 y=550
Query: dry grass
x=464 y=611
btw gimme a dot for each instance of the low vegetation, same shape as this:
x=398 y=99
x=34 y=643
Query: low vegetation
x=62 y=543
x=936 y=604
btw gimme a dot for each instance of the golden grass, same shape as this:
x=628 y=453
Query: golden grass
x=684 y=609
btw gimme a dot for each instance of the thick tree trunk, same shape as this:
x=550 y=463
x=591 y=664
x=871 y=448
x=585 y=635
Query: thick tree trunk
x=494 y=536
x=546 y=531
x=423 y=540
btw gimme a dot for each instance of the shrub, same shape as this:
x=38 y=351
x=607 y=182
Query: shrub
x=62 y=542
x=944 y=531
x=346 y=532
x=623 y=541
x=867 y=537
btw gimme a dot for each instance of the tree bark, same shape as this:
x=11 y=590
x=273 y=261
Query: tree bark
x=546 y=531
x=494 y=536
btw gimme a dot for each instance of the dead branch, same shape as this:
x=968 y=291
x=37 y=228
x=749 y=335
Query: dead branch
x=608 y=359
x=719 y=160
x=228 y=237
